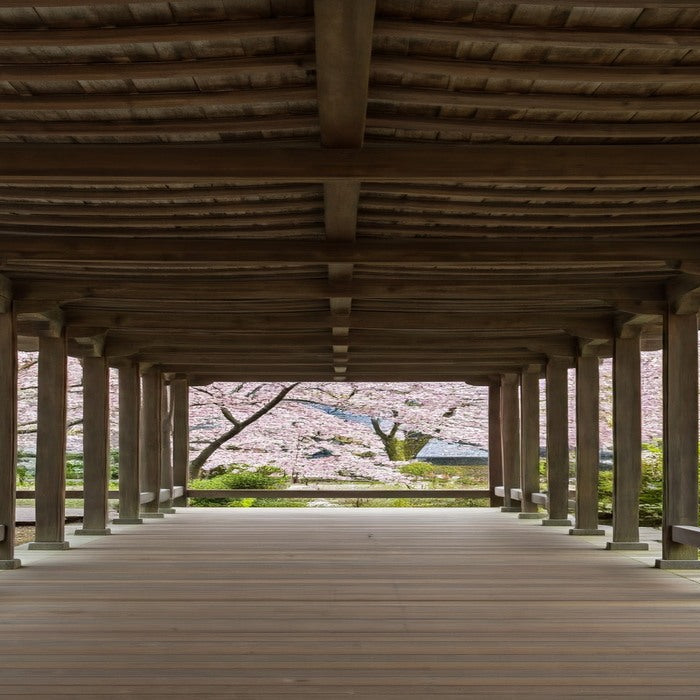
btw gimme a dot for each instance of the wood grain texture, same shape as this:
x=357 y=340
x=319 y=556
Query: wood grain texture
x=8 y=433
x=371 y=603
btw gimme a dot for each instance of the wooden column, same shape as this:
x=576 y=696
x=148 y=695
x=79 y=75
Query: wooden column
x=627 y=440
x=557 y=442
x=150 y=440
x=180 y=397
x=680 y=430
x=587 y=446
x=166 y=454
x=95 y=446
x=530 y=440
x=510 y=440
x=51 y=445
x=129 y=462
x=495 y=457
x=8 y=438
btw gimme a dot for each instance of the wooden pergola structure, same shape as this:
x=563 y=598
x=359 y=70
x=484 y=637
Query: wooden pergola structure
x=353 y=190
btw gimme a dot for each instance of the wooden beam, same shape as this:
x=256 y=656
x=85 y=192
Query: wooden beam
x=206 y=163
x=17 y=249
x=300 y=64
x=8 y=438
x=467 y=287
x=461 y=32
x=415 y=193
x=565 y=102
x=343 y=51
x=159 y=33
x=158 y=100
x=586 y=324
x=143 y=127
x=501 y=127
x=513 y=70
x=95 y=446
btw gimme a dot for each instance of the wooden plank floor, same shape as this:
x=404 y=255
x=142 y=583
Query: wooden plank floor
x=332 y=603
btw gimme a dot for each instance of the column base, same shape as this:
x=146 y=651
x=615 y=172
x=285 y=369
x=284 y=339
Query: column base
x=677 y=564
x=167 y=511
x=152 y=515
x=627 y=546
x=48 y=545
x=582 y=531
x=557 y=522
x=127 y=521
x=88 y=531
x=530 y=516
x=10 y=564
x=510 y=509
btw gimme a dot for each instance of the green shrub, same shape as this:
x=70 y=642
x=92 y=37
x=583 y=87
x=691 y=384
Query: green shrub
x=238 y=476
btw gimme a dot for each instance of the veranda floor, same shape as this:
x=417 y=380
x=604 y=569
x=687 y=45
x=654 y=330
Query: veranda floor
x=332 y=603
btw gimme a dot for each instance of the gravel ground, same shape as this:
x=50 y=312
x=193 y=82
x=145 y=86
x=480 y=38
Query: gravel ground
x=24 y=534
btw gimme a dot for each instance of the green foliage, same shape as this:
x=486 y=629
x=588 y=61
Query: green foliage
x=651 y=492
x=447 y=476
x=238 y=476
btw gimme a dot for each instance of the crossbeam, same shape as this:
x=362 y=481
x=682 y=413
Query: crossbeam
x=216 y=163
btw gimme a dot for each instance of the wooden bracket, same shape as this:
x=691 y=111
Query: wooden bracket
x=683 y=294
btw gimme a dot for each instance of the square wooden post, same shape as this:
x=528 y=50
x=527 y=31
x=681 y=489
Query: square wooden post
x=180 y=397
x=627 y=439
x=8 y=438
x=129 y=462
x=95 y=447
x=587 y=446
x=510 y=440
x=530 y=440
x=166 y=455
x=557 y=442
x=51 y=444
x=150 y=437
x=680 y=420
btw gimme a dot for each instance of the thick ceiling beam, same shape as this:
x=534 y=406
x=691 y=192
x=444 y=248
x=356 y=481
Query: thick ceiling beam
x=395 y=252
x=205 y=163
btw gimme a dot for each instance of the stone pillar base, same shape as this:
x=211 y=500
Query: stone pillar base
x=580 y=531
x=48 y=545
x=168 y=511
x=510 y=509
x=627 y=546
x=87 y=531
x=152 y=515
x=677 y=564
x=127 y=521
x=558 y=522
x=10 y=564
x=530 y=516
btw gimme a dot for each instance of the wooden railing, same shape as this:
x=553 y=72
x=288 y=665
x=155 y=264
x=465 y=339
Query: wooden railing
x=146 y=496
x=540 y=499
x=337 y=493
x=686 y=534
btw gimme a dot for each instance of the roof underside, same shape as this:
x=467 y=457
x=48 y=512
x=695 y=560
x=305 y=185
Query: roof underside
x=282 y=189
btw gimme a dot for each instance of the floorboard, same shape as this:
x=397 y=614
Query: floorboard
x=332 y=603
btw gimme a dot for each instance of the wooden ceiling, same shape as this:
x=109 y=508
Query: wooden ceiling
x=348 y=189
